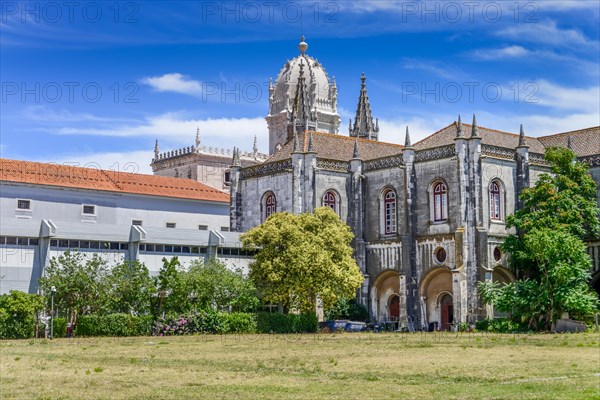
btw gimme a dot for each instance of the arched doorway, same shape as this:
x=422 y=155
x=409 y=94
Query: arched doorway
x=434 y=287
x=394 y=308
x=383 y=291
x=446 y=312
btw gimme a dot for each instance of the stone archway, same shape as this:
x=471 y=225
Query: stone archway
x=385 y=288
x=434 y=287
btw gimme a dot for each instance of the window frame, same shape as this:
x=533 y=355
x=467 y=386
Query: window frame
x=389 y=217
x=269 y=207
x=439 y=201
x=330 y=199
x=83 y=206
x=495 y=201
x=24 y=200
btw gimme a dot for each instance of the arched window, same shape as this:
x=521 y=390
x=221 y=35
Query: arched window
x=329 y=200
x=495 y=201
x=440 y=202
x=270 y=205
x=389 y=208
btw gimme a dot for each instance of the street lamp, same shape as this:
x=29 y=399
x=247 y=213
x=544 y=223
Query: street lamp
x=53 y=291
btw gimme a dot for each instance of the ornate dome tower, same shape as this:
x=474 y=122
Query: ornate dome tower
x=302 y=98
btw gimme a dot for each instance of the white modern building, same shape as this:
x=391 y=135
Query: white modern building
x=46 y=209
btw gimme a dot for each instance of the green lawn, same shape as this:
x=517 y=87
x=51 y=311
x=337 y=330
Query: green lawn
x=323 y=366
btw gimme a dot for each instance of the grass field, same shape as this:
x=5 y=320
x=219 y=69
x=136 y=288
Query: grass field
x=342 y=366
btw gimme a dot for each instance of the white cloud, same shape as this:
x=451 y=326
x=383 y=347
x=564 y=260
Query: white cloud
x=568 y=98
x=174 y=82
x=502 y=53
x=221 y=132
x=546 y=33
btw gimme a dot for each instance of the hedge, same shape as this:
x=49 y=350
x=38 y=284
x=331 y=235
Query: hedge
x=205 y=322
x=286 y=323
x=114 y=325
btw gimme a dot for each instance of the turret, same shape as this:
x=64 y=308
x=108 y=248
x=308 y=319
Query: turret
x=363 y=122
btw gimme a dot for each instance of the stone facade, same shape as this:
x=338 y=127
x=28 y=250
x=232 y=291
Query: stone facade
x=207 y=165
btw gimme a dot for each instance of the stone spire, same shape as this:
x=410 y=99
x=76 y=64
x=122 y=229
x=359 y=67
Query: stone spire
x=407 y=142
x=459 y=131
x=156 y=152
x=301 y=117
x=363 y=122
x=569 y=142
x=254 y=148
x=522 y=142
x=474 y=128
x=356 y=154
x=236 y=158
x=296 y=148
x=197 y=137
x=311 y=147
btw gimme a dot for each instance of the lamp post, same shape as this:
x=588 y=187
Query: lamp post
x=53 y=291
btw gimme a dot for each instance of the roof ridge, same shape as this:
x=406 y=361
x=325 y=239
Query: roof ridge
x=363 y=140
x=578 y=131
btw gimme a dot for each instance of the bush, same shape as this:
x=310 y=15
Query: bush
x=241 y=323
x=348 y=309
x=498 y=325
x=18 y=311
x=286 y=323
x=114 y=325
x=208 y=321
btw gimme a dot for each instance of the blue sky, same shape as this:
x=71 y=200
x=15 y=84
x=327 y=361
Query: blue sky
x=95 y=83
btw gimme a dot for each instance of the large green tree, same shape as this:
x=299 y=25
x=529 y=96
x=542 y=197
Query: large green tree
x=130 y=288
x=80 y=283
x=547 y=253
x=302 y=258
x=212 y=285
x=563 y=200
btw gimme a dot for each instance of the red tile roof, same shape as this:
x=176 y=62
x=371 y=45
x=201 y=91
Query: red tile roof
x=492 y=137
x=585 y=142
x=103 y=180
x=338 y=147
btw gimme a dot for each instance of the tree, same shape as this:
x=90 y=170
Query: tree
x=302 y=258
x=563 y=200
x=561 y=283
x=80 y=283
x=212 y=285
x=547 y=253
x=18 y=314
x=130 y=288
x=172 y=295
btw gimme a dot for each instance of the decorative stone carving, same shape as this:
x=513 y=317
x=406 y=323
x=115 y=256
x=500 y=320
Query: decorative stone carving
x=435 y=153
x=381 y=163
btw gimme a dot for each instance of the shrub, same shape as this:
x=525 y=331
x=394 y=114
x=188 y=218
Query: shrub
x=348 y=309
x=241 y=323
x=114 y=325
x=498 y=325
x=286 y=323
x=18 y=311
